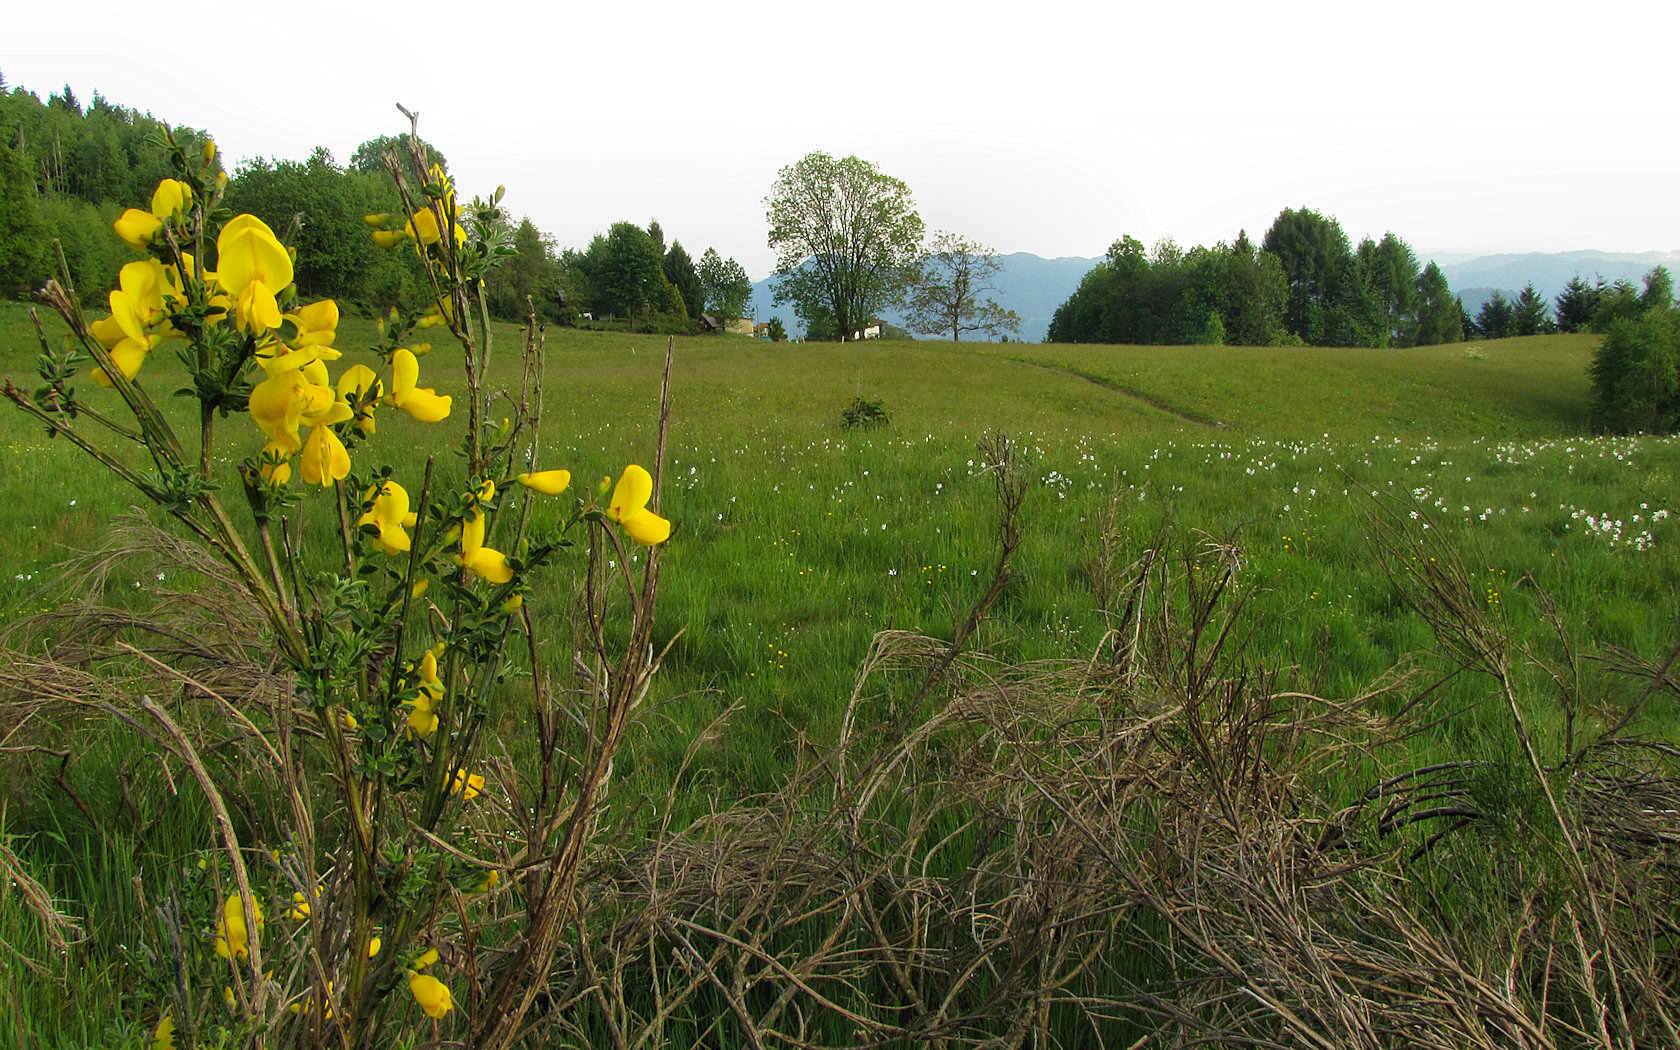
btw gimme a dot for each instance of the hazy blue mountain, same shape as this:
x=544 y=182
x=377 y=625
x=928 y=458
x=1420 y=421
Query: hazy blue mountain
x=1033 y=286
x=1476 y=279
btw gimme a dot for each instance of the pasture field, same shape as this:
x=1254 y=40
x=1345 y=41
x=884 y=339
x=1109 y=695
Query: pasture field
x=796 y=541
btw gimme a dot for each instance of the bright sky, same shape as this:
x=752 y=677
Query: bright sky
x=1052 y=127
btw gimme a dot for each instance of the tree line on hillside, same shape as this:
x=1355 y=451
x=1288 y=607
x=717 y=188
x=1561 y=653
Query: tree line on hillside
x=68 y=170
x=628 y=274
x=1305 y=284
x=1580 y=307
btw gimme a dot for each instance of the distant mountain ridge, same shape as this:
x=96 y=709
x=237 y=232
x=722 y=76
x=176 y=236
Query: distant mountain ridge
x=1475 y=280
x=1034 y=286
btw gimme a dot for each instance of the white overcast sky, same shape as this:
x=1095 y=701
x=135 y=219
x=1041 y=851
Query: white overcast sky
x=1045 y=126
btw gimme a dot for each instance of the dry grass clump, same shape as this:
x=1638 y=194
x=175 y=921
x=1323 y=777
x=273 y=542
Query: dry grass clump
x=1133 y=850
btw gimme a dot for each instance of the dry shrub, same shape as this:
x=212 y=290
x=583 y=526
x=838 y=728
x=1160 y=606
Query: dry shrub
x=1135 y=849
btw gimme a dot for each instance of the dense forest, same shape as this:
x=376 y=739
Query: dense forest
x=67 y=170
x=1303 y=285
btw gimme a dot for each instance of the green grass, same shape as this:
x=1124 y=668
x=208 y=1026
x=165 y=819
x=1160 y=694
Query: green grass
x=797 y=541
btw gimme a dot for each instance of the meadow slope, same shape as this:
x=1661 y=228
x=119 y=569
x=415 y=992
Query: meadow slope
x=796 y=540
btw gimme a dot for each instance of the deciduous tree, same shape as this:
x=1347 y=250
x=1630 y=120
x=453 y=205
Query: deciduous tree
x=370 y=155
x=624 y=270
x=727 y=289
x=1636 y=374
x=950 y=292
x=846 y=236
x=1318 y=264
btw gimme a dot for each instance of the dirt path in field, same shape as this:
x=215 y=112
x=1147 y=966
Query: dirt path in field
x=1135 y=395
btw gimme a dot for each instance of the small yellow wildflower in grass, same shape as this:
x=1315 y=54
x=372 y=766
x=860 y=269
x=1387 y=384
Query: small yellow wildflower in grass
x=547 y=482
x=629 y=508
x=467 y=785
x=422 y=719
x=431 y=993
x=232 y=936
x=163 y=1036
x=374 y=944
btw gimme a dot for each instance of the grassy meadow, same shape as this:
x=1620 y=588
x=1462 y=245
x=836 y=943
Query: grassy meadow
x=797 y=541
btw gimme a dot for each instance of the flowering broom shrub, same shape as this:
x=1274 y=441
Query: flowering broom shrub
x=364 y=919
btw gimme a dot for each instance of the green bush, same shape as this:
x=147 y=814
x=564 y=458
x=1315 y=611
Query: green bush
x=863 y=413
x=1636 y=375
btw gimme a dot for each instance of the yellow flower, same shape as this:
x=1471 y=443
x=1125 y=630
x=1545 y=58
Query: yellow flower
x=423 y=721
x=163 y=1036
x=232 y=937
x=547 y=482
x=299 y=910
x=253 y=266
x=513 y=603
x=208 y=153
x=325 y=459
x=272 y=463
x=171 y=198
x=488 y=563
x=374 y=944
x=431 y=993
x=128 y=355
x=423 y=403
x=138 y=229
x=629 y=508
x=390 y=515
x=423 y=227
x=423 y=224
x=361 y=390
x=489 y=882
x=142 y=297
x=309 y=1004
x=388 y=238
x=467 y=785
x=424 y=959
x=296 y=395
x=316 y=323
